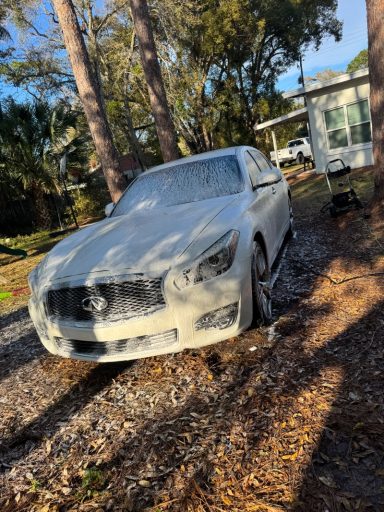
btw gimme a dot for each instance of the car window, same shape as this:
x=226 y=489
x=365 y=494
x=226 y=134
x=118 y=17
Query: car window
x=253 y=168
x=185 y=183
x=297 y=142
x=261 y=161
x=270 y=165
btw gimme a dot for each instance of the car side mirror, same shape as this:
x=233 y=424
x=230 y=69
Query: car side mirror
x=108 y=209
x=268 y=178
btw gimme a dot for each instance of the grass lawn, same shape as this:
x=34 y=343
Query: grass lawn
x=314 y=192
x=14 y=270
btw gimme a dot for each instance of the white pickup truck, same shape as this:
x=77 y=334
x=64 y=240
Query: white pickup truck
x=297 y=150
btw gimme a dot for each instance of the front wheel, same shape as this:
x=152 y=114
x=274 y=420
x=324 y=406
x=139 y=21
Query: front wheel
x=291 y=230
x=261 y=291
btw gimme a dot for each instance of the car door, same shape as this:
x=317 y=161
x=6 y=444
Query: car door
x=262 y=205
x=273 y=181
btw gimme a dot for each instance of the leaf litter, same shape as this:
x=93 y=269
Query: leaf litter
x=288 y=419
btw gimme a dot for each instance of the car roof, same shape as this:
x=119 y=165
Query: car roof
x=234 y=150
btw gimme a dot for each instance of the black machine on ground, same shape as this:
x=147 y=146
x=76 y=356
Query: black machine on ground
x=344 y=198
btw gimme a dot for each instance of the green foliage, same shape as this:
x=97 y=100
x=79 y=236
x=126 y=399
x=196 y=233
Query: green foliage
x=92 y=483
x=40 y=69
x=34 y=136
x=93 y=480
x=91 y=201
x=222 y=58
x=35 y=485
x=322 y=76
x=220 y=63
x=359 y=62
x=272 y=106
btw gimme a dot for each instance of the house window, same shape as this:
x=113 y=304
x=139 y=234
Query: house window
x=348 y=125
x=359 y=122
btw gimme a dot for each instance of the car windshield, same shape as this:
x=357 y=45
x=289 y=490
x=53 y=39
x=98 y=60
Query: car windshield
x=184 y=183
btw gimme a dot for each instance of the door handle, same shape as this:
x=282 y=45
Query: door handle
x=273 y=190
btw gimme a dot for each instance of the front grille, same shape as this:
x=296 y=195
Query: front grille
x=92 y=349
x=125 y=300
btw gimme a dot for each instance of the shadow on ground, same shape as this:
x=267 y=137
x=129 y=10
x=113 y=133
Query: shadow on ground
x=296 y=423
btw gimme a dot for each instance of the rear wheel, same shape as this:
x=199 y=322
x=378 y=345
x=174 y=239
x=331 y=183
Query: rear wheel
x=261 y=291
x=333 y=211
x=300 y=158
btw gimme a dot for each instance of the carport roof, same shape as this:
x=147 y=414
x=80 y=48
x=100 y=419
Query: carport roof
x=296 y=116
x=319 y=85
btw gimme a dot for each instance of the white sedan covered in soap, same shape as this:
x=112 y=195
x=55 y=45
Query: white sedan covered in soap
x=183 y=260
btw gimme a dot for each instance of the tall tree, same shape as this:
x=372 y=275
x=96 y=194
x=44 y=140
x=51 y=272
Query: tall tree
x=219 y=61
x=164 y=124
x=359 y=62
x=90 y=97
x=322 y=76
x=222 y=58
x=375 y=10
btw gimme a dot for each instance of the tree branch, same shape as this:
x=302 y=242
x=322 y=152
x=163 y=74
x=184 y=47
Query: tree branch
x=109 y=15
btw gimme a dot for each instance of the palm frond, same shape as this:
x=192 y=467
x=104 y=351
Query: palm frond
x=34 y=136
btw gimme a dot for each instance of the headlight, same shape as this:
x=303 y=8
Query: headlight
x=34 y=276
x=32 y=280
x=216 y=260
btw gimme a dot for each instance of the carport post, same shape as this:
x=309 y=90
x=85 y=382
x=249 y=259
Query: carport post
x=275 y=149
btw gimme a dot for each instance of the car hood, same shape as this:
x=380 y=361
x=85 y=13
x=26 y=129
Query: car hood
x=146 y=241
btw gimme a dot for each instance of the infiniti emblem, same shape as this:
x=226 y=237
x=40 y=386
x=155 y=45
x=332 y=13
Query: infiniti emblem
x=94 y=303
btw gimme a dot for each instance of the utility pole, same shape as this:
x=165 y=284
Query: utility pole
x=305 y=104
x=302 y=77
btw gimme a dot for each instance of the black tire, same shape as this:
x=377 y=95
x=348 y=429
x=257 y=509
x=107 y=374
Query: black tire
x=358 y=204
x=300 y=159
x=291 y=229
x=261 y=292
x=333 y=211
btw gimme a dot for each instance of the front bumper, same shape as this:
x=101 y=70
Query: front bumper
x=168 y=330
x=286 y=159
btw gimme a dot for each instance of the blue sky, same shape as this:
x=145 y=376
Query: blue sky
x=334 y=55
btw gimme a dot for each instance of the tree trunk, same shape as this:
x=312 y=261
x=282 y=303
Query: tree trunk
x=375 y=18
x=134 y=141
x=90 y=97
x=152 y=72
x=42 y=214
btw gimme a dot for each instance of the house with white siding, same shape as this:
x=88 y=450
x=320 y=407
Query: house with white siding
x=338 y=116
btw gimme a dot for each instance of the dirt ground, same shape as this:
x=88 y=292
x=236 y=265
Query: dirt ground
x=288 y=417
